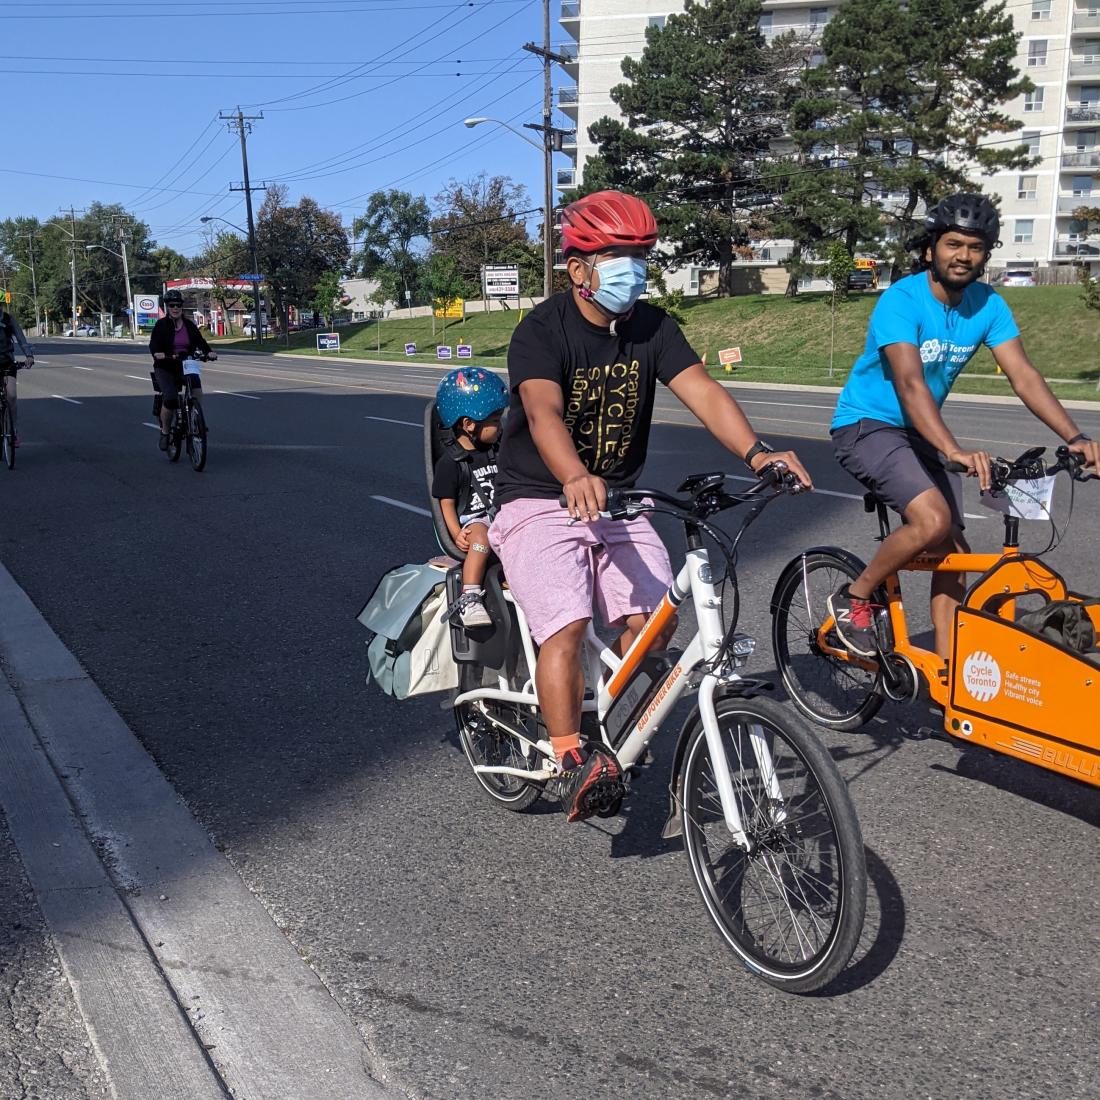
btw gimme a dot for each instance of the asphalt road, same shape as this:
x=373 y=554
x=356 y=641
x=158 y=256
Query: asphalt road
x=485 y=954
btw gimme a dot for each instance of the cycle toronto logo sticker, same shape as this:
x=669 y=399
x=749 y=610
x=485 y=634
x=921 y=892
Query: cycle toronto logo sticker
x=982 y=676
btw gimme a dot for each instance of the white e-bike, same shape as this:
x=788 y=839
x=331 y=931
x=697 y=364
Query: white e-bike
x=771 y=834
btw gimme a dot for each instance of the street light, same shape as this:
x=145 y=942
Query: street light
x=126 y=274
x=547 y=149
x=257 y=324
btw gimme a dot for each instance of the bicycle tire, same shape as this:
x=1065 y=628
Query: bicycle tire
x=485 y=743
x=830 y=692
x=807 y=866
x=196 y=438
x=7 y=435
x=175 y=438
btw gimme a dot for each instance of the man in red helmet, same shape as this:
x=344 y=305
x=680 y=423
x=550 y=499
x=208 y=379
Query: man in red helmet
x=583 y=368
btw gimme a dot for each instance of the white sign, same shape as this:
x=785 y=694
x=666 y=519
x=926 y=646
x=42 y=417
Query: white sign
x=982 y=676
x=1026 y=499
x=145 y=303
x=500 y=280
x=465 y=351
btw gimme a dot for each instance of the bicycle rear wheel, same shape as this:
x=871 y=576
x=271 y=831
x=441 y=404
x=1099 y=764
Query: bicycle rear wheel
x=483 y=730
x=829 y=690
x=196 y=438
x=7 y=435
x=791 y=907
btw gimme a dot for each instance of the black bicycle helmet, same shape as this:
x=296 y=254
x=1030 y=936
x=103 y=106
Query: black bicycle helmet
x=968 y=212
x=173 y=296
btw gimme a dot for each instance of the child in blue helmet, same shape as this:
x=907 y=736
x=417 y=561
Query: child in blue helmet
x=470 y=402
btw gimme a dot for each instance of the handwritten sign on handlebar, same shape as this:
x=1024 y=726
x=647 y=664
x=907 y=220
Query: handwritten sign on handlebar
x=1025 y=498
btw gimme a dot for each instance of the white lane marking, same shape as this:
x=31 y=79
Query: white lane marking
x=231 y=393
x=402 y=504
x=834 y=493
x=137 y=377
x=387 y=420
x=146 y=424
x=75 y=367
x=786 y=404
x=71 y=400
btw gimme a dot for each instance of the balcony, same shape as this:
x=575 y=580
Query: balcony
x=570 y=9
x=567 y=177
x=567 y=96
x=1068 y=203
x=1086 y=21
x=571 y=52
x=1088 y=158
x=1065 y=247
x=1084 y=68
x=1084 y=112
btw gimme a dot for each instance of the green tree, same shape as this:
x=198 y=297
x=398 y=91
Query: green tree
x=837 y=267
x=443 y=283
x=386 y=232
x=477 y=222
x=329 y=297
x=296 y=246
x=893 y=118
x=225 y=256
x=703 y=104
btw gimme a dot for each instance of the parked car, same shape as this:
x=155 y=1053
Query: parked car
x=82 y=330
x=249 y=328
x=1018 y=278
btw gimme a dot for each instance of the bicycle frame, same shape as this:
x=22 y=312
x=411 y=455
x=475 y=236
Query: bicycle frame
x=694 y=579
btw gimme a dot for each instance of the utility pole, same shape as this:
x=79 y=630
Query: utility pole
x=242 y=123
x=123 y=236
x=73 y=242
x=31 y=237
x=551 y=142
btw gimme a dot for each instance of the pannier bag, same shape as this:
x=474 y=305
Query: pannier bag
x=410 y=652
x=1067 y=623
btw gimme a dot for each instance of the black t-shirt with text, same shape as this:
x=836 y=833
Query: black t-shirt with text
x=473 y=494
x=608 y=380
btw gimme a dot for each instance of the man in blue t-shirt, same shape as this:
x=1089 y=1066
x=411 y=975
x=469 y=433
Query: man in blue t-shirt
x=888 y=432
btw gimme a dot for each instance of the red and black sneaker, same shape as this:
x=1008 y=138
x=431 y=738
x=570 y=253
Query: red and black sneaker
x=589 y=784
x=855 y=622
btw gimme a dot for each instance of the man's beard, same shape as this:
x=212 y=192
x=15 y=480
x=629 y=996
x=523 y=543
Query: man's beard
x=956 y=282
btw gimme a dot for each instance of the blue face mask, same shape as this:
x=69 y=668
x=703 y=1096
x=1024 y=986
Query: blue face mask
x=622 y=283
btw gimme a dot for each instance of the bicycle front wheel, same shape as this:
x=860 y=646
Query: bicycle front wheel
x=791 y=906
x=196 y=438
x=829 y=690
x=484 y=729
x=7 y=435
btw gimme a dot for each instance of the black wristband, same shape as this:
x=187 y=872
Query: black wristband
x=758 y=448
x=1080 y=437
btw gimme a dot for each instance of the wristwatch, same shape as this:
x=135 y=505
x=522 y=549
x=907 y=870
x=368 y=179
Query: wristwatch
x=758 y=448
x=1080 y=437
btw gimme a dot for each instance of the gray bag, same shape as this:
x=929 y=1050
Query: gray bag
x=1066 y=622
x=410 y=653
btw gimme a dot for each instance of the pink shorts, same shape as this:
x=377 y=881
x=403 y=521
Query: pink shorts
x=553 y=569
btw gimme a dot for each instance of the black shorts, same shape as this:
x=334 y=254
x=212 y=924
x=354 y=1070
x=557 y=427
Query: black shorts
x=896 y=464
x=8 y=370
x=170 y=381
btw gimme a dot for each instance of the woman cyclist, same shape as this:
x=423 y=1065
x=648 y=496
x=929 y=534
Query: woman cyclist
x=174 y=339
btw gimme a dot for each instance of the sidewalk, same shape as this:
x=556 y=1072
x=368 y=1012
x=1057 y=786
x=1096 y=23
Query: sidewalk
x=182 y=984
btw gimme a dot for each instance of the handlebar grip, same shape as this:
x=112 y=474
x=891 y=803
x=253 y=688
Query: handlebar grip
x=956 y=467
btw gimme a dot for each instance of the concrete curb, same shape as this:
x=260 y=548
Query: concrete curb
x=197 y=937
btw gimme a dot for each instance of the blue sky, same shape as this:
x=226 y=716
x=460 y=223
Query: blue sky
x=356 y=95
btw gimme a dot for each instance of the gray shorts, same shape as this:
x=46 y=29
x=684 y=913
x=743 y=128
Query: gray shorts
x=896 y=464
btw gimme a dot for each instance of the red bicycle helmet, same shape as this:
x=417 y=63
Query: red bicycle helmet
x=607 y=219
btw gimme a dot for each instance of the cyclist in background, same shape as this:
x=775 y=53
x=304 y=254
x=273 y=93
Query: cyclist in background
x=888 y=431
x=175 y=338
x=12 y=341
x=583 y=368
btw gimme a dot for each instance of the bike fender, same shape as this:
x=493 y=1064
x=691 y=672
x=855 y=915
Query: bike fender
x=744 y=689
x=795 y=565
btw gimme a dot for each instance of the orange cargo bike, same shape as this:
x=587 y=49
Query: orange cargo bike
x=1004 y=686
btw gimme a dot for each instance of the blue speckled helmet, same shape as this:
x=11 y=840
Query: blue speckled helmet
x=470 y=391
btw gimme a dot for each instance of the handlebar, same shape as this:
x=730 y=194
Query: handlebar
x=1030 y=466
x=705 y=494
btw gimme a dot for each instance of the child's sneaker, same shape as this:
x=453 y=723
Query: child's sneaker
x=473 y=611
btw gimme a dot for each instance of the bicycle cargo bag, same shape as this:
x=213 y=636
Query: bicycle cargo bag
x=1065 y=622
x=410 y=651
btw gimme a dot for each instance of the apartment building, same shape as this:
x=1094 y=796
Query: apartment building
x=1059 y=50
